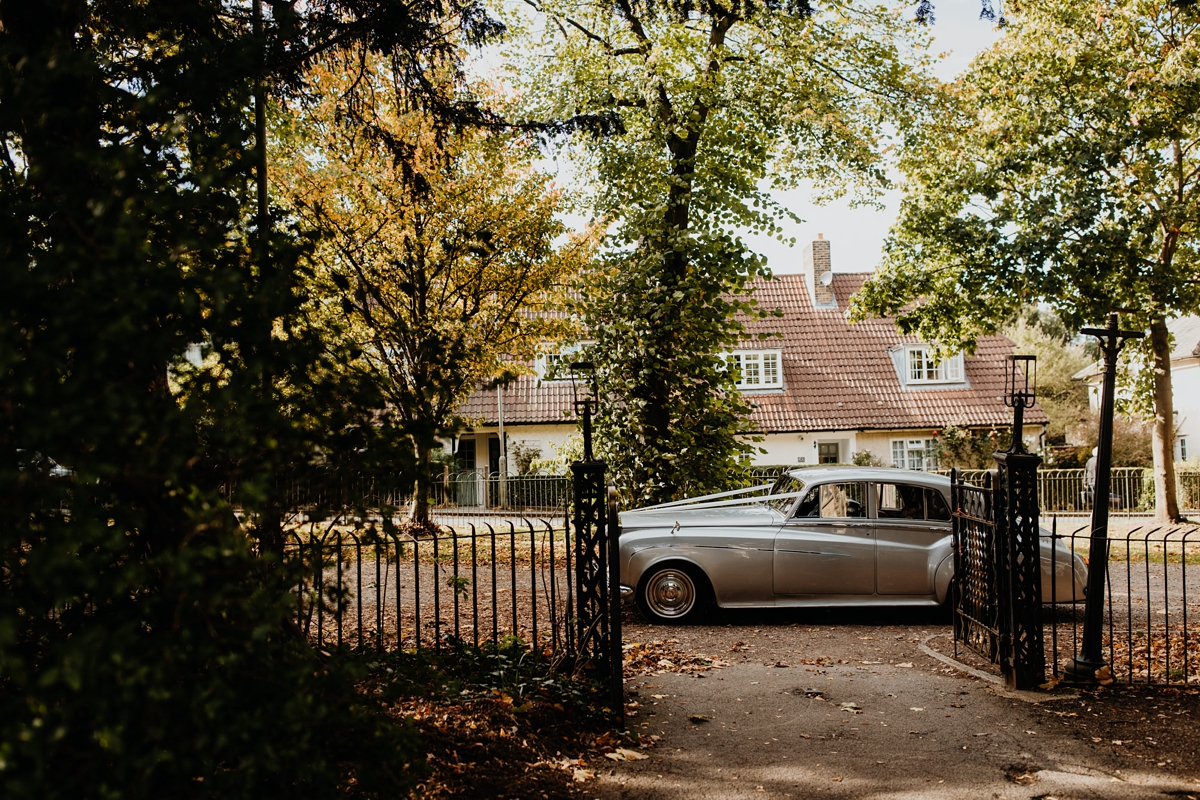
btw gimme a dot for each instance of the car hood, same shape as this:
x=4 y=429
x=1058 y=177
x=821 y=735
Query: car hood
x=738 y=516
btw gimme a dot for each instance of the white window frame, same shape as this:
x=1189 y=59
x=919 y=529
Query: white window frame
x=757 y=369
x=921 y=370
x=1181 y=448
x=904 y=454
x=564 y=356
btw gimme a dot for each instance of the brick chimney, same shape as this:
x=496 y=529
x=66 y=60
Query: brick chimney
x=817 y=263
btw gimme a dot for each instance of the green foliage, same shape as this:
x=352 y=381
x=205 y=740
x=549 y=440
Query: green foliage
x=964 y=448
x=439 y=255
x=524 y=457
x=1061 y=169
x=146 y=640
x=718 y=105
x=865 y=458
x=1064 y=399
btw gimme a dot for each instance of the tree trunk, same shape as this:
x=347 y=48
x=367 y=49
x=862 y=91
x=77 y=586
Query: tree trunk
x=1166 y=505
x=423 y=484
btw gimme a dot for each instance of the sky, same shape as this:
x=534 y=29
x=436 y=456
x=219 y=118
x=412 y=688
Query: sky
x=856 y=234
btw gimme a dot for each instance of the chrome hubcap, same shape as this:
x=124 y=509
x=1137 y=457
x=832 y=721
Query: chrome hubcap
x=671 y=593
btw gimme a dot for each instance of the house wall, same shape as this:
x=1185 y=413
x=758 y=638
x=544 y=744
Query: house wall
x=1185 y=387
x=877 y=443
x=1185 y=381
x=544 y=437
x=803 y=448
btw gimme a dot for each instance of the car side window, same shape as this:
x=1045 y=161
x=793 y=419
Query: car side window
x=935 y=502
x=901 y=501
x=835 y=501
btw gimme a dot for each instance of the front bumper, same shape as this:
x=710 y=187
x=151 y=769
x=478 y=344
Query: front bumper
x=626 y=591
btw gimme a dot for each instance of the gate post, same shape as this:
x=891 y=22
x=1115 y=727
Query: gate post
x=598 y=620
x=1018 y=541
x=597 y=570
x=1019 y=569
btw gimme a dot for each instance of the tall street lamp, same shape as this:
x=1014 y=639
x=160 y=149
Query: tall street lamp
x=1091 y=659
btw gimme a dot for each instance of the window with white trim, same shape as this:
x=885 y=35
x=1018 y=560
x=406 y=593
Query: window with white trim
x=915 y=454
x=921 y=367
x=1181 y=444
x=556 y=366
x=757 y=369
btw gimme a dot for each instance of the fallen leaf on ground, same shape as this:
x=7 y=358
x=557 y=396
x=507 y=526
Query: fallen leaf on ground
x=905 y=664
x=622 y=754
x=581 y=775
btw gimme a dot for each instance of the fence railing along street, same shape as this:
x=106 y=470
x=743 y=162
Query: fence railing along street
x=473 y=492
x=370 y=589
x=364 y=581
x=1152 y=607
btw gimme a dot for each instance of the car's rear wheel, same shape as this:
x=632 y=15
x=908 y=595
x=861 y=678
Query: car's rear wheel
x=673 y=594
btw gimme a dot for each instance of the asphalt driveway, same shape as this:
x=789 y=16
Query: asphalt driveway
x=853 y=705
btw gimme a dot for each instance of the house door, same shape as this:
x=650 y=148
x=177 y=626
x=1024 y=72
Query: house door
x=827 y=547
x=494 y=455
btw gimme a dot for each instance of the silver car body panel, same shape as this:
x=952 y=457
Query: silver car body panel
x=754 y=557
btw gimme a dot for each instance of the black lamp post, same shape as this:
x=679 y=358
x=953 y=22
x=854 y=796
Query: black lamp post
x=1090 y=659
x=1020 y=392
x=585 y=372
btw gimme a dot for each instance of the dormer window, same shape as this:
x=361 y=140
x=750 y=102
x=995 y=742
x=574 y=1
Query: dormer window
x=757 y=369
x=556 y=366
x=922 y=369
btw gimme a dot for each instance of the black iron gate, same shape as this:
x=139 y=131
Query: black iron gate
x=976 y=592
x=997 y=569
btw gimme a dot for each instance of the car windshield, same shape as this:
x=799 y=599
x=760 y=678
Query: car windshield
x=787 y=485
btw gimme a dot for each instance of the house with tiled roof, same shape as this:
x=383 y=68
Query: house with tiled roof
x=821 y=388
x=1185 y=384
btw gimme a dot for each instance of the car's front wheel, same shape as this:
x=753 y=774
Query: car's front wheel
x=673 y=594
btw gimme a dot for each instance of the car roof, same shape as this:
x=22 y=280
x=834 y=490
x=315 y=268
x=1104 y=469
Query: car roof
x=883 y=474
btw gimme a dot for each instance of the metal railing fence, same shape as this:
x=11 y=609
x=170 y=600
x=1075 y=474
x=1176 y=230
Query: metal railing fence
x=333 y=494
x=367 y=589
x=1152 y=607
x=1065 y=491
x=479 y=489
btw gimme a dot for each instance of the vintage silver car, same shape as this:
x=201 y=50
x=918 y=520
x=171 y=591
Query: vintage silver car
x=827 y=536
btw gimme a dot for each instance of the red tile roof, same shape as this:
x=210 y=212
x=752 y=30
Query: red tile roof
x=837 y=376
x=525 y=402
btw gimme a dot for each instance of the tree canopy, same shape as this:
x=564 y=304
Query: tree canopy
x=439 y=252
x=147 y=637
x=1062 y=168
x=718 y=105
